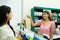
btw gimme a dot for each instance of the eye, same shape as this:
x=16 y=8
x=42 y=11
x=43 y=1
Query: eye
x=44 y=14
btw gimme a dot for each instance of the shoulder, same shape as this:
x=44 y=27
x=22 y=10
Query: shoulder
x=52 y=22
x=2 y=30
x=3 y=33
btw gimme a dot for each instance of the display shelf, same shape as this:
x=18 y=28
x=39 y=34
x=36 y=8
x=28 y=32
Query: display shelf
x=58 y=16
x=35 y=11
x=54 y=18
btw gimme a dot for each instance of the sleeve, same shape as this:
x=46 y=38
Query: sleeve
x=38 y=22
x=52 y=28
x=3 y=35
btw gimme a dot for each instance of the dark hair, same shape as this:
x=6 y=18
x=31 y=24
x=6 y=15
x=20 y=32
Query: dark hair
x=3 y=19
x=11 y=27
x=50 y=18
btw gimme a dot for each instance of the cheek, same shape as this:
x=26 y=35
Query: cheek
x=10 y=16
x=45 y=16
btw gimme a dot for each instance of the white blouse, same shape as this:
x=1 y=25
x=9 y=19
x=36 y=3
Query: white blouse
x=6 y=33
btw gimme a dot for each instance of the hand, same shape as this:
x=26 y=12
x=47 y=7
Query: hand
x=22 y=21
x=28 y=16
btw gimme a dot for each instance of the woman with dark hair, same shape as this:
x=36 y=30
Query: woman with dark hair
x=6 y=30
x=47 y=26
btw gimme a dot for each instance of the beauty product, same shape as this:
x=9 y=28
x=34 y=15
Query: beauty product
x=40 y=13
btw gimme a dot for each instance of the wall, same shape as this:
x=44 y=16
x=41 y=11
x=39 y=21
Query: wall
x=47 y=3
x=27 y=5
x=3 y=2
x=16 y=10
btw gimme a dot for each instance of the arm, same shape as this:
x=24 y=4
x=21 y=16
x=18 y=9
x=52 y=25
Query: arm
x=33 y=24
x=51 y=36
x=52 y=29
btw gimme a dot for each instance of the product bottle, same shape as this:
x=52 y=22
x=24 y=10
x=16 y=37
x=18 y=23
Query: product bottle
x=22 y=26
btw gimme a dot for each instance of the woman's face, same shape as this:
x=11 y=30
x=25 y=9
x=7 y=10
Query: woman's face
x=9 y=16
x=45 y=15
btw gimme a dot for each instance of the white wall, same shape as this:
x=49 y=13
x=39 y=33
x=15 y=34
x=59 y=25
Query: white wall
x=47 y=3
x=27 y=5
x=16 y=10
x=3 y=2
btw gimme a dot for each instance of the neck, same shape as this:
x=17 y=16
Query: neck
x=6 y=23
x=46 y=20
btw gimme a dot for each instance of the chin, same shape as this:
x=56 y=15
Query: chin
x=10 y=18
x=44 y=19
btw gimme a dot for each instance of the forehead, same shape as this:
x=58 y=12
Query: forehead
x=44 y=13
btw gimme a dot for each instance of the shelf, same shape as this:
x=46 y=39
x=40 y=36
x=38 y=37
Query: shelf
x=54 y=16
x=58 y=23
x=58 y=11
x=58 y=16
x=37 y=13
x=38 y=10
x=59 y=19
x=38 y=7
x=38 y=16
x=54 y=12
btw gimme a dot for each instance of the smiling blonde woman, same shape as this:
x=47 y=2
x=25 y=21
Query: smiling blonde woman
x=47 y=26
